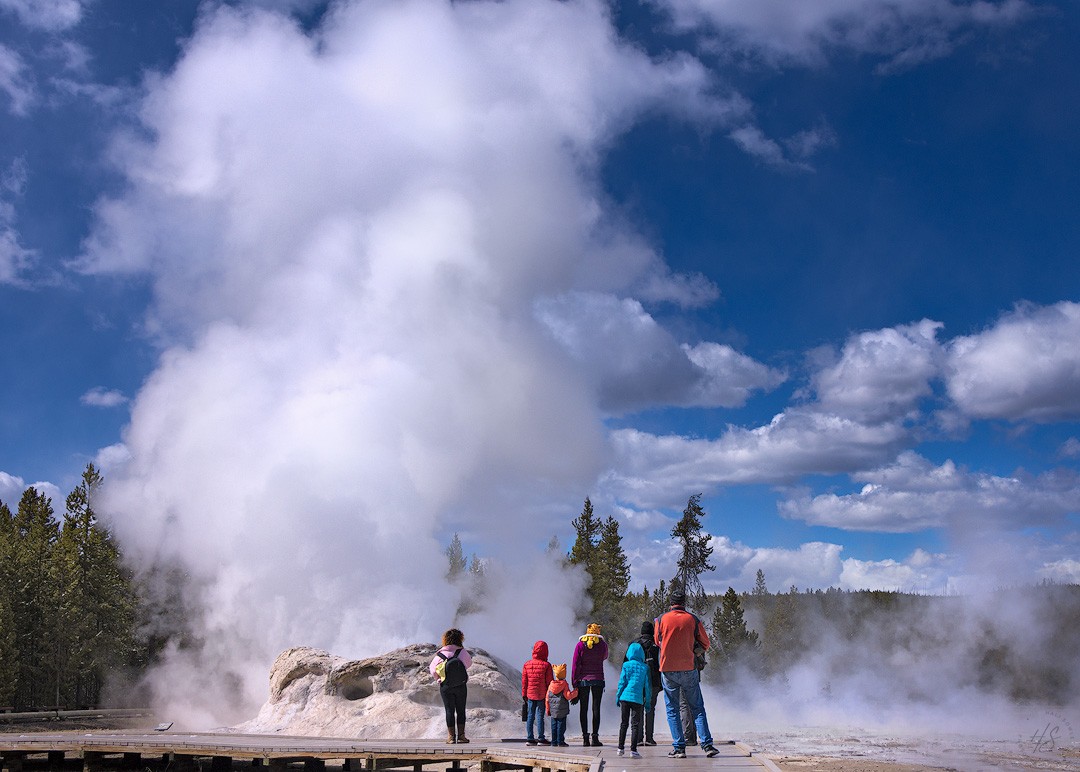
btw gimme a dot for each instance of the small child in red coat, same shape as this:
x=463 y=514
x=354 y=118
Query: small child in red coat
x=536 y=674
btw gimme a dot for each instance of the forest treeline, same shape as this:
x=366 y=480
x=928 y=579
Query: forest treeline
x=68 y=606
x=1022 y=643
x=78 y=628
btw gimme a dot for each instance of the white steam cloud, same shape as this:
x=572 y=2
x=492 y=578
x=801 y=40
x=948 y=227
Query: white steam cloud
x=393 y=304
x=348 y=232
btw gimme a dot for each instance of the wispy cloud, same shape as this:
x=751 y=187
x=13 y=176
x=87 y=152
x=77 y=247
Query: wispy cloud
x=48 y=15
x=99 y=396
x=904 y=33
x=15 y=260
x=15 y=81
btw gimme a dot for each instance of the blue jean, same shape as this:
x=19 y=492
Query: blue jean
x=536 y=713
x=688 y=682
x=558 y=730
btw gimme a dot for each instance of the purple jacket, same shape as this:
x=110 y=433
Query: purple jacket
x=589 y=661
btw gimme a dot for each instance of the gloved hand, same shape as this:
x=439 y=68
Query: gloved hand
x=574 y=701
x=618 y=704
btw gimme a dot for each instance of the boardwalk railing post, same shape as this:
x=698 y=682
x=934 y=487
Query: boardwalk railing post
x=13 y=761
x=92 y=761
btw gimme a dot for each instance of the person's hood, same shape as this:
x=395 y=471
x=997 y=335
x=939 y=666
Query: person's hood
x=540 y=650
x=635 y=652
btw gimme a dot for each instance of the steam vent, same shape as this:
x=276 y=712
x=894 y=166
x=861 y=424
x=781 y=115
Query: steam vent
x=393 y=696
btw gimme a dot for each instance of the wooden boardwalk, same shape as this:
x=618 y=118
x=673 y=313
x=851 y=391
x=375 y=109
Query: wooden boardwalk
x=183 y=752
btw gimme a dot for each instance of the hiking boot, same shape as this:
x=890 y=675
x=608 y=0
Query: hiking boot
x=461 y=738
x=587 y=743
x=450 y=737
x=677 y=753
x=596 y=740
x=710 y=750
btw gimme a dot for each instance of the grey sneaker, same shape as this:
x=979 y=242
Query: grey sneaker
x=619 y=752
x=710 y=750
x=635 y=755
x=677 y=753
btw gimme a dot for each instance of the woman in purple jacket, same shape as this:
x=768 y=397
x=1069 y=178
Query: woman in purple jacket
x=587 y=675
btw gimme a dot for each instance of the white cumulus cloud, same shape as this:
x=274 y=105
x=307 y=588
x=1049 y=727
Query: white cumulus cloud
x=881 y=374
x=653 y=470
x=1025 y=367
x=635 y=363
x=913 y=494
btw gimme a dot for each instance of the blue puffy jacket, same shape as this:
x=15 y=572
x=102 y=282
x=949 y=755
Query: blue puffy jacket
x=634 y=680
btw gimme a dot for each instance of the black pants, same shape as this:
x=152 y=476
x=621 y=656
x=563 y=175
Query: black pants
x=650 y=716
x=453 y=700
x=595 y=690
x=631 y=715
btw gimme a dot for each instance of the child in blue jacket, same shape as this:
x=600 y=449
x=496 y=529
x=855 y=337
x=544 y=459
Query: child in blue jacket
x=632 y=695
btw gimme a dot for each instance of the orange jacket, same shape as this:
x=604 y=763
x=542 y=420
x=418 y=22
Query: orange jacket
x=675 y=633
x=560 y=686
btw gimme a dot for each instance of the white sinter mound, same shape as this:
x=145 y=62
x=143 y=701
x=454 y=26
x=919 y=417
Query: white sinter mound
x=392 y=696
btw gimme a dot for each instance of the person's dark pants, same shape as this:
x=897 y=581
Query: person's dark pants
x=689 y=730
x=650 y=716
x=594 y=691
x=453 y=700
x=631 y=714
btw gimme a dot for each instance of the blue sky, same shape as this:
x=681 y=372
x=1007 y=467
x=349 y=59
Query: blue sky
x=420 y=268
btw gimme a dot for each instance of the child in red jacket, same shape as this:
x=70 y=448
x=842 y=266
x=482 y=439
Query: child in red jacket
x=536 y=674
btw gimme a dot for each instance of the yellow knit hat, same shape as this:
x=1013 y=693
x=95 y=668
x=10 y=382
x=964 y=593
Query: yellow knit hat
x=592 y=629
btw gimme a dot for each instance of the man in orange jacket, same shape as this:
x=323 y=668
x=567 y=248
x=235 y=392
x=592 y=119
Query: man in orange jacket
x=676 y=631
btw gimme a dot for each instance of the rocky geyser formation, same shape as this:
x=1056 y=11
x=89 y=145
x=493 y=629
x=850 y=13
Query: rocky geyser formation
x=391 y=696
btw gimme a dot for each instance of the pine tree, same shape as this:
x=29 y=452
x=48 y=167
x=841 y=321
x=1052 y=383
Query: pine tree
x=34 y=602
x=455 y=557
x=782 y=639
x=97 y=603
x=735 y=644
x=695 y=552
x=476 y=567
x=587 y=528
x=610 y=576
x=658 y=602
x=8 y=652
x=760 y=590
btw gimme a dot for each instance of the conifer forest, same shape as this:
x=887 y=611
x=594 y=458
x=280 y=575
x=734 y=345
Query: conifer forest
x=79 y=627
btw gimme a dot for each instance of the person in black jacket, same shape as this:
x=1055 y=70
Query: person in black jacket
x=652 y=659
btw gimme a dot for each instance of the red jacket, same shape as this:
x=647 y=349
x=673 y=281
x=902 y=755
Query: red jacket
x=675 y=634
x=536 y=673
